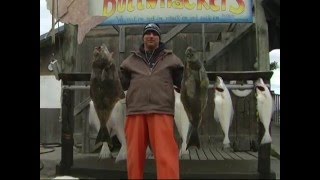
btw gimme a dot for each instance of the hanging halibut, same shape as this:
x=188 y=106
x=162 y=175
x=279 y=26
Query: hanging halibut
x=105 y=92
x=194 y=94
x=264 y=107
x=223 y=109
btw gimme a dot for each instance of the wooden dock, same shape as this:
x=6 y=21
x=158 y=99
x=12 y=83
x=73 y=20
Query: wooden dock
x=203 y=163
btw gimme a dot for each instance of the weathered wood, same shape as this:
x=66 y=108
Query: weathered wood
x=245 y=155
x=193 y=154
x=216 y=154
x=233 y=39
x=224 y=154
x=241 y=141
x=75 y=76
x=262 y=38
x=208 y=154
x=173 y=32
x=201 y=154
x=86 y=131
x=264 y=165
x=234 y=156
x=203 y=44
x=70 y=45
x=255 y=154
x=165 y=28
x=185 y=156
x=50 y=127
x=122 y=45
x=116 y=27
x=90 y=167
x=67 y=130
x=81 y=106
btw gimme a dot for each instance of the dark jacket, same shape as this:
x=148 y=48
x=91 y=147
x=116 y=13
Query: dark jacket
x=150 y=90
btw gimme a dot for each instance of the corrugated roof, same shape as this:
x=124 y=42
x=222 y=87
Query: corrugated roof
x=47 y=36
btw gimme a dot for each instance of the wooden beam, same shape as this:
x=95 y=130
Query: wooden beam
x=122 y=45
x=70 y=47
x=262 y=38
x=75 y=76
x=220 y=49
x=81 y=106
x=173 y=32
x=104 y=31
x=116 y=27
x=203 y=43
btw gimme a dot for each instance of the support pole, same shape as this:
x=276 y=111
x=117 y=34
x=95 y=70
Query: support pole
x=67 y=140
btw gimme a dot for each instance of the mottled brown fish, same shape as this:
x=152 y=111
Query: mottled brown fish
x=194 y=94
x=105 y=92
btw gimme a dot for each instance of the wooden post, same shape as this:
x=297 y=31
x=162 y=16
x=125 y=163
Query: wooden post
x=86 y=131
x=262 y=64
x=67 y=140
x=263 y=153
x=69 y=52
x=69 y=48
x=122 y=45
x=262 y=38
x=203 y=44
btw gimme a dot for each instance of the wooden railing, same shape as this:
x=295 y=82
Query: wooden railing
x=276 y=112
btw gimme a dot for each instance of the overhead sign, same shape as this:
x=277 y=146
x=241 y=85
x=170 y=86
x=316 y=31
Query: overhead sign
x=171 y=11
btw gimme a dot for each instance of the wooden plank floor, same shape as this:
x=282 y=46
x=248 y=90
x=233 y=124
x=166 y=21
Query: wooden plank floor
x=212 y=153
x=203 y=163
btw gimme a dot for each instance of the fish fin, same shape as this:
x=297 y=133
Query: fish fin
x=103 y=75
x=105 y=151
x=266 y=138
x=99 y=136
x=122 y=155
x=215 y=114
x=193 y=138
x=104 y=136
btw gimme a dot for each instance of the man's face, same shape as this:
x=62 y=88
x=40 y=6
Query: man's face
x=151 y=40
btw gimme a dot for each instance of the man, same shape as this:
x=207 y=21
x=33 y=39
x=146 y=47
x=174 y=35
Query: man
x=149 y=76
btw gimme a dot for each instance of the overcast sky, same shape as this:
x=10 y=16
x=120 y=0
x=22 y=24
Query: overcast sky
x=45 y=26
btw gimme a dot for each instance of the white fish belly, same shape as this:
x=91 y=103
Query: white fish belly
x=223 y=112
x=182 y=122
x=265 y=108
x=94 y=122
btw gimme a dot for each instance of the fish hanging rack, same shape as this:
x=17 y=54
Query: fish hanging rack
x=227 y=76
x=232 y=76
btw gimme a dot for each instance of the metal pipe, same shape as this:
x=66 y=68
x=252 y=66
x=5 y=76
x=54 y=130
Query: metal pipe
x=238 y=86
x=76 y=87
x=229 y=86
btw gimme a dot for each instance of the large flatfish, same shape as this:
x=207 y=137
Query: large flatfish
x=105 y=92
x=264 y=107
x=194 y=94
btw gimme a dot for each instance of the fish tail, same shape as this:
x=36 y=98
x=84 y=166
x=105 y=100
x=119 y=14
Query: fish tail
x=266 y=138
x=226 y=140
x=103 y=136
x=99 y=136
x=193 y=138
x=122 y=155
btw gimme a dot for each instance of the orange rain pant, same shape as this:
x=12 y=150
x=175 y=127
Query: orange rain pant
x=158 y=129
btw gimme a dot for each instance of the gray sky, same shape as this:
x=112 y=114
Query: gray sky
x=45 y=26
